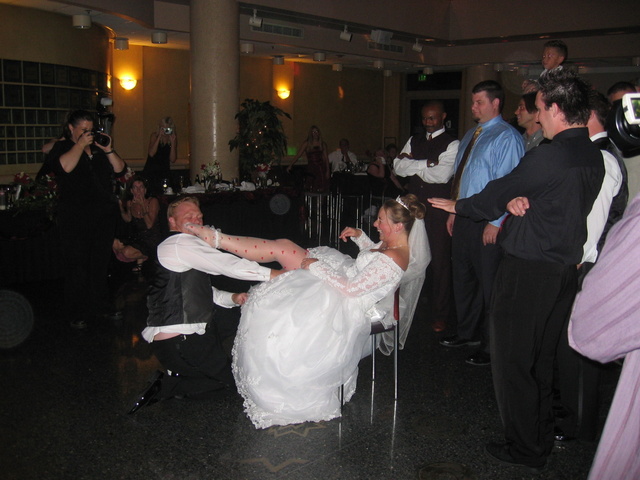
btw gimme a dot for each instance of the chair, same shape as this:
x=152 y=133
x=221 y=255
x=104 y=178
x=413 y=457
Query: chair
x=378 y=327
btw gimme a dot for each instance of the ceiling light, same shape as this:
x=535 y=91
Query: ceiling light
x=346 y=35
x=278 y=60
x=255 y=21
x=379 y=64
x=336 y=67
x=82 y=20
x=121 y=43
x=417 y=47
x=319 y=56
x=159 y=37
x=246 y=47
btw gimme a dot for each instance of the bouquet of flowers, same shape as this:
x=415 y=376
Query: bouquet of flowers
x=211 y=171
x=30 y=194
x=263 y=167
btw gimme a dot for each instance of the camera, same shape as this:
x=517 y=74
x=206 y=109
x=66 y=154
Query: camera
x=168 y=130
x=100 y=138
x=623 y=124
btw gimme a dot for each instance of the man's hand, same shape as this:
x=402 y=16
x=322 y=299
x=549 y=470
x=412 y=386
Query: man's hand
x=239 y=298
x=450 y=220
x=306 y=262
x=443 y=204
x=490 y=234
x=518 y=206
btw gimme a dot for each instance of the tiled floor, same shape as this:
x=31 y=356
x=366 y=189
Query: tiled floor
x=65 y=393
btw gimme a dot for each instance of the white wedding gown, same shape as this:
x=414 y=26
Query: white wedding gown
x=302 y=334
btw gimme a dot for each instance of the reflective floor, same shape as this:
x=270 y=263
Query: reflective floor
x=65 y=395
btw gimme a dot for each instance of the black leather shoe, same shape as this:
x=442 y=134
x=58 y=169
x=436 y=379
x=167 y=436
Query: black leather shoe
x=456 y=341
x=150 y=395
x=499 y=452
x=479 y=358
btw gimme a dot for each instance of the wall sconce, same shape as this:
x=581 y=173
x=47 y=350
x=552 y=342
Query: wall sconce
x=379 y=64
x=159 y=37
x=417 y=47
x=82 y=21
x=278 y=60
x=246 y=47
x=121 y=43
x=255 y=21
x=346 y=35
x=336 y=67
x=319 y=56
x=128 y=83
x=283 y=93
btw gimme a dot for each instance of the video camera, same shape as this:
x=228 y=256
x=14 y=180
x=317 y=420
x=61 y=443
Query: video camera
x=623 y=124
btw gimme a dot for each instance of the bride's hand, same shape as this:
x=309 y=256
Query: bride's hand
x=204 y=232
x=350 y=232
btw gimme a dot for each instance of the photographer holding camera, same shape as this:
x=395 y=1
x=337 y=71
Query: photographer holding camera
x=163 y=151
x=85 y=165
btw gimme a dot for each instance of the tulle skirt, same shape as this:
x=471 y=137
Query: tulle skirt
x=298 y=341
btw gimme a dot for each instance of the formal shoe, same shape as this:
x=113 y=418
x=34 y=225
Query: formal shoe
x=479 y=358
x=499 y=452
x=78 y=324
x=456 y=341
x=560 y=436
x=438 y=326
x=150 y=394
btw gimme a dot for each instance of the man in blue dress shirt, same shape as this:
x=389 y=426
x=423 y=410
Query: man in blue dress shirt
x=487 y=152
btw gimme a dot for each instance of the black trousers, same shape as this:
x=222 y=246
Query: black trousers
x=87 y=238
x=198 y=363
x=529 y=310
x=474 y=270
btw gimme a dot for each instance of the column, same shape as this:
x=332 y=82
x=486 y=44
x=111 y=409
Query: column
x=214 y=84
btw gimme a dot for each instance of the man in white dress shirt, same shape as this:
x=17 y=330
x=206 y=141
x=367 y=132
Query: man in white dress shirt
x=428 y=160
x=339 y=159
x=180 y=325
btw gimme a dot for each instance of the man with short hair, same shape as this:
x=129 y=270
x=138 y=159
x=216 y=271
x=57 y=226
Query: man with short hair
x=549 y=195
x=554 y=54
x=428 y=160
x=342 y=158
x=618 y=89
x=180 y=326
x=486 y=153
x=526 y=114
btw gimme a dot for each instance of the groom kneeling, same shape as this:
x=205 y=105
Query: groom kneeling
x=180 y=324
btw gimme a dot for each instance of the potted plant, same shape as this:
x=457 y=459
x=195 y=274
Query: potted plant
x=260 y=138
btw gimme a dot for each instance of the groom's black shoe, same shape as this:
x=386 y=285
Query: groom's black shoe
x=150 y=394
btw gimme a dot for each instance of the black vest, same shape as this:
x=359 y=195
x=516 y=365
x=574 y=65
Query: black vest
x=422 y=148
x=174 y=298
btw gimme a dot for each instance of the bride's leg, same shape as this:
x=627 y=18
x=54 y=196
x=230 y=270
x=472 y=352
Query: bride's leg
x=260 y=250
x=283 y=251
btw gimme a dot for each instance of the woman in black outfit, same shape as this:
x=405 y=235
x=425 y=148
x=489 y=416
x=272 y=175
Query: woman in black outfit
x=85 y=165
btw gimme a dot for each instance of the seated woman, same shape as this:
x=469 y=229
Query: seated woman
x=127 y=253
x=140 y=213
x=302 y=334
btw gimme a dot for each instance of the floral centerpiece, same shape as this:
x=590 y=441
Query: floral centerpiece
x=263 y=167
x=211 y=173
x=31 y=194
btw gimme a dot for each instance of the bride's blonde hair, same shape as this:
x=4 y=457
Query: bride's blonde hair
x=405 y=210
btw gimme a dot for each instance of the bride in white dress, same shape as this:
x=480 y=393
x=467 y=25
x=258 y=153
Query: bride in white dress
x=302 y=334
